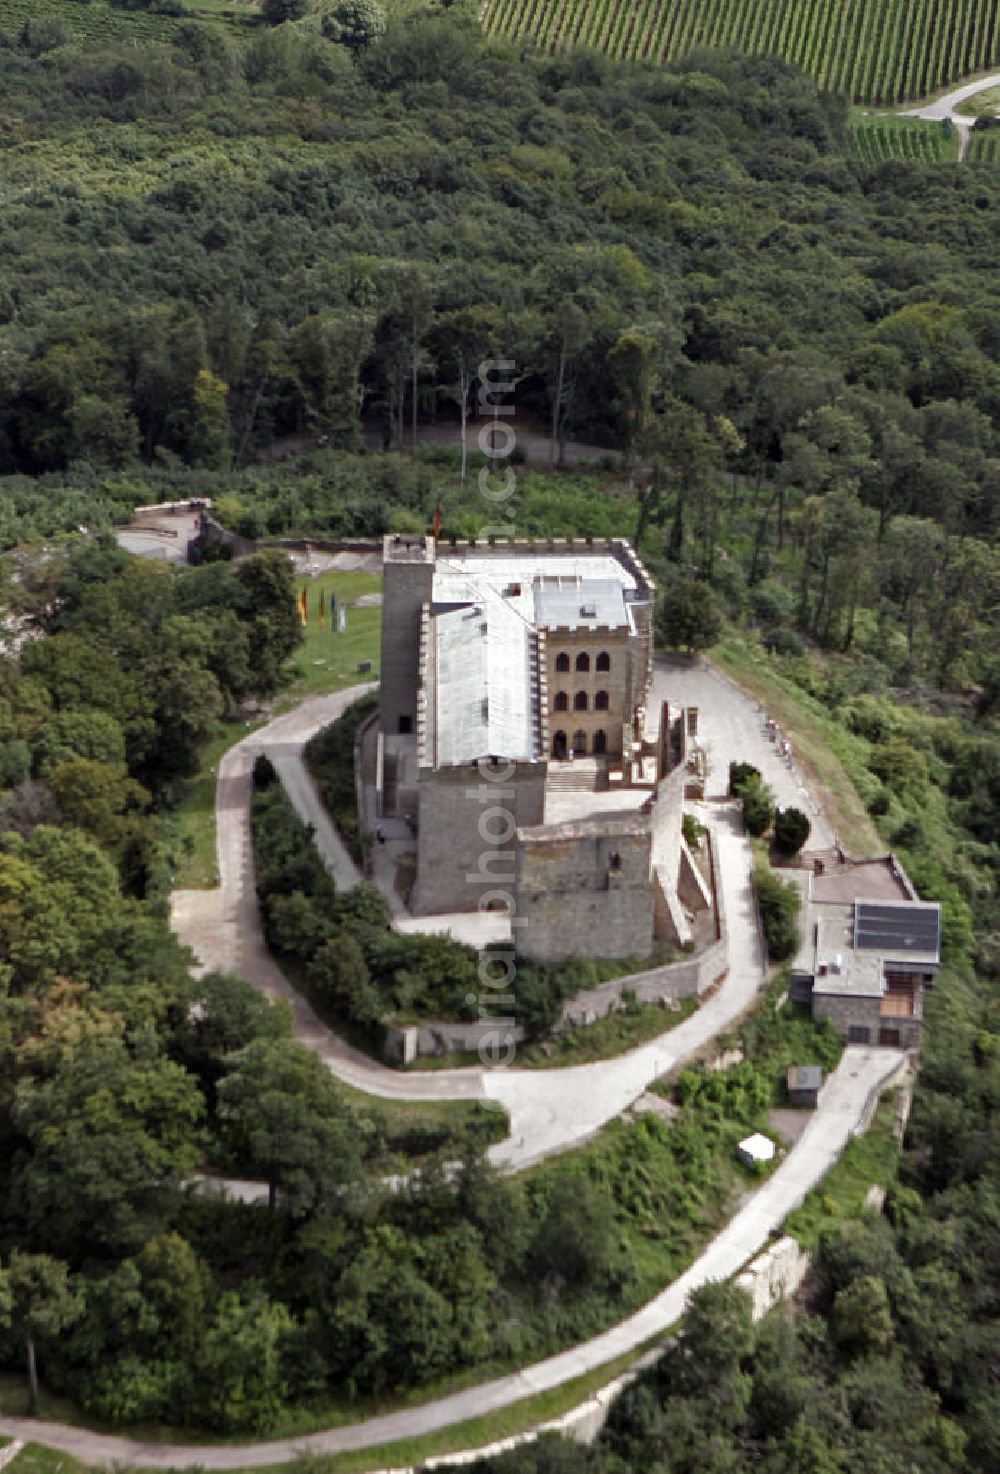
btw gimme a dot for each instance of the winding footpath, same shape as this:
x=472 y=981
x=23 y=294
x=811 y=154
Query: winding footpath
x=945 y=109
x=844 y=1104
x=550 y=1110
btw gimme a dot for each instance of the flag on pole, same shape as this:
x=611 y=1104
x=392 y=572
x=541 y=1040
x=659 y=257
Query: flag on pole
x=342 y=621
x=333 y=613
x=322 y=607
x=303 y=607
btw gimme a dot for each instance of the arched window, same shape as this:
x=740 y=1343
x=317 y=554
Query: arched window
x=616 y=861
x=601 y=701
x=600 y=742
x=562 y=661
x=580 y=743
x=583 y=661
x=562 y=701
x=559 y=745
x=580 y=701
x=604 y=661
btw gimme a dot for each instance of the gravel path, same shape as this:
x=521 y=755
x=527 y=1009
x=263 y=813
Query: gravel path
x=946 y=109
x=843 y=1107
x=549 y=1110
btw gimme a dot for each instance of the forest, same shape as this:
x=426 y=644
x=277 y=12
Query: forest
x=223 y=241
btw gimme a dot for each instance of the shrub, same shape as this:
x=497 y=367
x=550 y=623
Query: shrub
x=758 y=807
x=791 y=830
x=778 y=902
x=740 y=773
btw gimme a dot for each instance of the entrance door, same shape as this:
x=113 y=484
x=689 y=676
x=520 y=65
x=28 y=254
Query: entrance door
x=600 y=742
x=559 y=746
x=889 y=1038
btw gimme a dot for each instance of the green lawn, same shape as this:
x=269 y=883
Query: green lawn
x=982 y=104
x=327 y=661
x=35 y=1459
x=324 y=662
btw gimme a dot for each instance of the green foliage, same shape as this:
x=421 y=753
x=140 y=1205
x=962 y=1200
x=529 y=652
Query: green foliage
x=688 y=617
x=330 y=756
x=779 y=902
x=879 y=140
x=791 y=830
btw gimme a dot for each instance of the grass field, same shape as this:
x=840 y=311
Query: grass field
x=983 y=105
x=324 y=662
x=880 y=51
x=876 y=139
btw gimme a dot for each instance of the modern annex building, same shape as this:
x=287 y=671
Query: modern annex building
x=534 y=660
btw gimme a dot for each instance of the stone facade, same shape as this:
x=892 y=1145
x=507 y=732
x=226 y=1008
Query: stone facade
x=466 y=835
x=860 y=1020
x=517 y=655
x=583 y=889
x=407 y=585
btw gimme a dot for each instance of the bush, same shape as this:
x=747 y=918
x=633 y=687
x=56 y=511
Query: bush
x=778 y=902
x=758 y=807
x=783 y=642
x=791 y=830
x=741 y=773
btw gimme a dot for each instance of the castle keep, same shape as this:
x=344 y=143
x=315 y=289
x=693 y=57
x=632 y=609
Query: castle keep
x=534 y=661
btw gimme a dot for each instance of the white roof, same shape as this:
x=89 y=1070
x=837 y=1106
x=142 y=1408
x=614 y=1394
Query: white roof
x=757 y=1148
x=485 y=612
x=483 y=688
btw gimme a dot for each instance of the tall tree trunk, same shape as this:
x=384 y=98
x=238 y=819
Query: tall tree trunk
x=413 y=390
x=463 y=394
x=32 y=1377
x=554 y=438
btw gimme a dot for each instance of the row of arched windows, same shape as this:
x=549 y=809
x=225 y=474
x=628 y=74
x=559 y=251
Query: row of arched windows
x=560 y=745
x=581 y=701
x=603 y=661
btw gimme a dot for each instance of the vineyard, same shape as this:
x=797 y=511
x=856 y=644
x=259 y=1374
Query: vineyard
x=984 y=146
x=874 y=140
x=879 y=51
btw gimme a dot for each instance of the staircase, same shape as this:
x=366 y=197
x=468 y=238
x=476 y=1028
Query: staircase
x=584 y=775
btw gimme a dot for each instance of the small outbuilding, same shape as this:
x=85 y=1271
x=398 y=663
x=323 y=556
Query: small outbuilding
x=756 y=1150
x=803 y=1083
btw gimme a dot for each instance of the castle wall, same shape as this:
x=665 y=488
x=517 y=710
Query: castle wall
x=408 y=578
x=583 y=890
x=457 y=859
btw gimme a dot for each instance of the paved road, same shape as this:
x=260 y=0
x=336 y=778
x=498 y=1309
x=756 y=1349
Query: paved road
x=946 y=109
x=549 y=1110
x=843 y=1106
x=731 y=727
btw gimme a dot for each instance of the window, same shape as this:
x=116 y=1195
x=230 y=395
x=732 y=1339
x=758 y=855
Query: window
x=858 y=1034
x=580 y=743
x=604 y=661
x=559 y=745
x=583 y=661
x=562 y=701
x=562 y=661
x=580 y=701
x=601 y=701
x=616 y=861
x=600 y=742
x=405 y=726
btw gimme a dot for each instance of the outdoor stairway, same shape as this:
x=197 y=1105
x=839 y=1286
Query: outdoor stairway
x=583 y=775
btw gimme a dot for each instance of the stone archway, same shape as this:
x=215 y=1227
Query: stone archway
x=559 y=746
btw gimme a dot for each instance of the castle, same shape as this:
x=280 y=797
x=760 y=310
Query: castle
x=530 y=664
